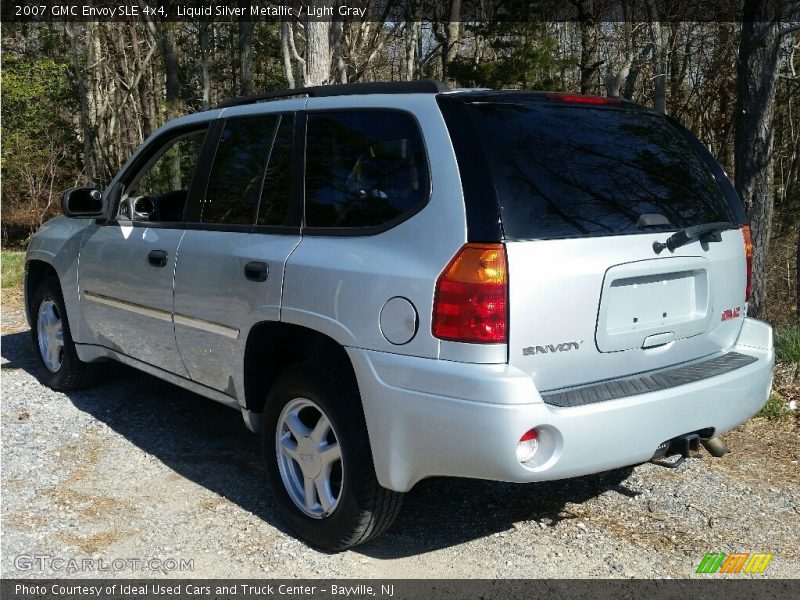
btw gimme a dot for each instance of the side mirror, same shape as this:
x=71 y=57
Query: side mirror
x=82 y=203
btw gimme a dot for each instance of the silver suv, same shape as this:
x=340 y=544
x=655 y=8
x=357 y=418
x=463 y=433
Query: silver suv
x=399 y=281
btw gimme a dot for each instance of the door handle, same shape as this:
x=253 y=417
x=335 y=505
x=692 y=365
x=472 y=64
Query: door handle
x=157 y=258
x=256 y=271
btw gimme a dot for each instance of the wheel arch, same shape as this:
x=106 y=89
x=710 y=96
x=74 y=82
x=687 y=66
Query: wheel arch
x=36 y=271
x=272 y=346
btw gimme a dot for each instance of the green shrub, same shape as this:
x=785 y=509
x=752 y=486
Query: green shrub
x=13 y=266
x=775 y=409
x=787 y=344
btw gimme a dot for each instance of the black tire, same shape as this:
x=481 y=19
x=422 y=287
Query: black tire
x=365 y=509
x=72 y=374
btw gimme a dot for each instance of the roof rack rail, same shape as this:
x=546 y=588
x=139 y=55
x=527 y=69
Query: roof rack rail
x=424 y=86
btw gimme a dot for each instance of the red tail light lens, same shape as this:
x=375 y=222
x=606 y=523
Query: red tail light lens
x=748 y=254
x=581 y=98
x=471 y=302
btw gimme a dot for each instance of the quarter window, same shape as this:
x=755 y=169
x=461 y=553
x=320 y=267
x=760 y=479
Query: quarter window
x=277 y=191
x=363 y=168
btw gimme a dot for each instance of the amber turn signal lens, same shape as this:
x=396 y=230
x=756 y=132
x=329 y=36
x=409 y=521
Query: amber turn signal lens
x=471 y=301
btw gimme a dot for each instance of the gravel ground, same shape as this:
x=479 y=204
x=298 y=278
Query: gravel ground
x=137 y=469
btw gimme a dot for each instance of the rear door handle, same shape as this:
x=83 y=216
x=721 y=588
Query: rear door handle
x=157 y=258
x=256 y=271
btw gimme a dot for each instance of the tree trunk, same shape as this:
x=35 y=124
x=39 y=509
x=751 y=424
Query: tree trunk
x=588 y=30
x=797 y=278
x=87 y=133
x=142 y=90
x=412 y=40
x=318 y=52
x=286 y=54
x=338 y=52
x=453 y=29
x=658 y=36
x=614 y=80
x=205 y=79
x=245 y=51
x=170 y=56
x=755 y=106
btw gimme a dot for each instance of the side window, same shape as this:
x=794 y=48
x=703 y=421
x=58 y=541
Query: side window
x=363 y=168
x=159 y=191
x=237 y=175
x=277 y=192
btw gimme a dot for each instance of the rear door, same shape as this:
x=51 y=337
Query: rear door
x=230 y=270
x=584 y=192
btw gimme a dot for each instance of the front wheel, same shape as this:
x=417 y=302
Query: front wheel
x=319 y=462
x=59 y=365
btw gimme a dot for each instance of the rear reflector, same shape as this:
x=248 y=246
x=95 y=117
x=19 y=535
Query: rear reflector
x=581 y=98
x=527 y=446
x=748 y=254
x=471 y=302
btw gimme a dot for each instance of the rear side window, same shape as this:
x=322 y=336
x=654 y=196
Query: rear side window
x=363 y=169
x=237 y=175
x=564 y=171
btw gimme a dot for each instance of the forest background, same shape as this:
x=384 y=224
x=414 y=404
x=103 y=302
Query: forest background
x=79 y=97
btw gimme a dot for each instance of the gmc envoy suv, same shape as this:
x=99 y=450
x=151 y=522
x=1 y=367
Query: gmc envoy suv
x=399 y=281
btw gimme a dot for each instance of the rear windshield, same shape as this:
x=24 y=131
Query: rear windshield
x=566 y=171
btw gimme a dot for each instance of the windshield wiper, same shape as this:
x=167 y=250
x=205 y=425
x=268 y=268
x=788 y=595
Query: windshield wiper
x=708 y=232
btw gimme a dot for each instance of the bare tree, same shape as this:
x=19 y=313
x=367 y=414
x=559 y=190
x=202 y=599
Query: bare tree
x=205 y=78
x=588 y=36
x=447 y=29
x=245 y=50
x=412 y=40
x=314 y=66
x=287 y=45
x=753 y=147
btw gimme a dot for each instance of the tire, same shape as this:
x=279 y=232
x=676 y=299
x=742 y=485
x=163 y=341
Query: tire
x=362 y=509
x=61 y=369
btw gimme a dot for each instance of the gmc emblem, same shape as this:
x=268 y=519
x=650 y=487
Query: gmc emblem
x=731 y=313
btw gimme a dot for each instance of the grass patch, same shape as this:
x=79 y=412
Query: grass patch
x=787 y=344
x=775 y=409
x=13 y=267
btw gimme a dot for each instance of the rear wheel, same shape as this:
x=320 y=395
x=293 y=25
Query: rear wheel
x=58 y=362
x=319 y=462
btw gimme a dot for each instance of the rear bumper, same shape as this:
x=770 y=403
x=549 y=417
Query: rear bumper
x=440 y=418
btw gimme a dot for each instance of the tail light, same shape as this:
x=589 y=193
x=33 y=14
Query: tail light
x=748 y=254
x=471 y=302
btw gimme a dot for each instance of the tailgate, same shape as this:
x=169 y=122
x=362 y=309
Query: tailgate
x=587 y=310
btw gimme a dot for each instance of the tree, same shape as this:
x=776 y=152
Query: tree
x=39 y=148
x=754 y=118
x=515 y=55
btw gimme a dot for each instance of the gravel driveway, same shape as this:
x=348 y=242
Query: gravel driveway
x=138 y=469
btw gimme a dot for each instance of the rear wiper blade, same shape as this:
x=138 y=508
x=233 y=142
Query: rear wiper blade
x=708 y=232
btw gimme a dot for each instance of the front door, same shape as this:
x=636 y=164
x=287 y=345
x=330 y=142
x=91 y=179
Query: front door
x=127 y=264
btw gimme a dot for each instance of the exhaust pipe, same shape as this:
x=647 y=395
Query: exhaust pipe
x=715 y=446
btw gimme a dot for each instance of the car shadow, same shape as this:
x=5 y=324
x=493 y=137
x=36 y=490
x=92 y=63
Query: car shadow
x=207 y=443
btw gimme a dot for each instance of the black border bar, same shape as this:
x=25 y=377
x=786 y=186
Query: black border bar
x=394 y=11
x=710 y=587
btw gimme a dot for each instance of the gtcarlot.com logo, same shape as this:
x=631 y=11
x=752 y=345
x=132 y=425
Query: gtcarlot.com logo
x=737 y=562
x=45 y=562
